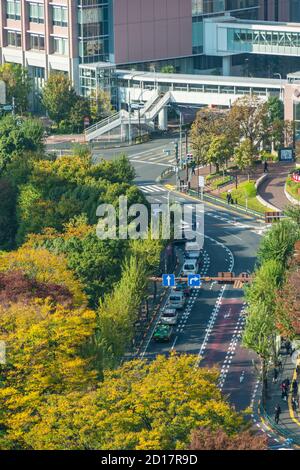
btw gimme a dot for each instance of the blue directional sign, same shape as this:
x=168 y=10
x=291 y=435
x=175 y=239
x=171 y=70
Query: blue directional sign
x=168 y=280
x=194 y=280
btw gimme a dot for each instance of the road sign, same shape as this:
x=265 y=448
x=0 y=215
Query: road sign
x=201 y=182
x=194 y=280
x=168 y=280
x=7 y=107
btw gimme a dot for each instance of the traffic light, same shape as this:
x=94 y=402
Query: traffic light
x=176 y=153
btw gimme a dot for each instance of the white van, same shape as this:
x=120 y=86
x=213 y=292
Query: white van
x=190 y=266
x=192 y=250
x=176 y=300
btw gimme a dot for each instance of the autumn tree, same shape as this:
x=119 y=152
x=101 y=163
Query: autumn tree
x=44 y=357
x=287 y=305
x=207 y=439
x=139 y=406
x=207 y=126
x=249 y=115
x=44 y=267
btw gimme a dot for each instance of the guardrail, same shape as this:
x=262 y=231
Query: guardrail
x=284 y=432
x=218 y=200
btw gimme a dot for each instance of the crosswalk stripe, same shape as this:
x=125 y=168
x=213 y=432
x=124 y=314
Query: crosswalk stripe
x=147 y=189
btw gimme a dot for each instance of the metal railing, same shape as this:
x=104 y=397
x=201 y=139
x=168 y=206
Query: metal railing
x=282 y=431
x=103 y=123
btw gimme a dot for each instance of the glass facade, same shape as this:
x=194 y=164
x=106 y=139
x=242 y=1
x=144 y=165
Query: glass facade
x=93 y=30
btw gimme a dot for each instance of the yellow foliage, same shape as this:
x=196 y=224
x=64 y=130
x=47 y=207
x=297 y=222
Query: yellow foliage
x=44 y=357
x=45 y=267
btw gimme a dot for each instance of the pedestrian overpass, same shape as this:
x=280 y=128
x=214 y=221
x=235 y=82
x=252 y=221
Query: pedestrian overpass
x=226 y=36
x=144 y=99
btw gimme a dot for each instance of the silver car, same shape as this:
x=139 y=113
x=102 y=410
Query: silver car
x=169 y=316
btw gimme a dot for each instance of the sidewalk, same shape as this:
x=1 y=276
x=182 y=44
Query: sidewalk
x=272 y=189
x=289 y=422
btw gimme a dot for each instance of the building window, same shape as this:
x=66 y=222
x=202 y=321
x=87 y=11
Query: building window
x=37 y=42
x=13 y=9
x=14 y=38
x=59 y=16
x=60 y=46
x=36 y=13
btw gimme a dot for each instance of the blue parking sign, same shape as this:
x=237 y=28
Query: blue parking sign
x=194 y=280
x=168 y=280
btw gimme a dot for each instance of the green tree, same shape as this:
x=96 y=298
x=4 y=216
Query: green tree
x=116 y=318
x=260 y=331
x=79 y=110
x=7 y=214
x=244 y=155
x=18 y=136
x=293 y=213
x=100 y=105
x=220 y=151
x=168 y=69
x=278 y=243
x=58 y=97
x=18 y=85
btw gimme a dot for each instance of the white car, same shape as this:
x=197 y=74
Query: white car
x=169 y=316
x=190 y=266
x=176 y=300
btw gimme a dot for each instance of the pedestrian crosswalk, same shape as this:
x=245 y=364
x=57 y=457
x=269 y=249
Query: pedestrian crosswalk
x=156 y=156
x=152 y=188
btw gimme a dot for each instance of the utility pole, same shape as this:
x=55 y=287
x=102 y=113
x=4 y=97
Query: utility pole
x=13 y=106
x=180 y=138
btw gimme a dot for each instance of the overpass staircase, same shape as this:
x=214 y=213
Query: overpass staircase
x=123 y=119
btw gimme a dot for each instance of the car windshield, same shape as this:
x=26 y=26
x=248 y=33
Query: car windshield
x=169 y=314
x=189 y=266
x=175 y=297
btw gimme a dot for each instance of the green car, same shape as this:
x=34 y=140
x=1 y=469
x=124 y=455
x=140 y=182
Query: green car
x=162 y=333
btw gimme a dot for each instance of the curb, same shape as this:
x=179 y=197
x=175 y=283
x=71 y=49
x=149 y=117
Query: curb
x=265 y=203
x=294 y=201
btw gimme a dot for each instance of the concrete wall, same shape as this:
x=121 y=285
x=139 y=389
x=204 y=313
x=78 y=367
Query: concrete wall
x=146 y=30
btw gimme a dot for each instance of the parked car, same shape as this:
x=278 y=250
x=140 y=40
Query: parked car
x=169 y=316
x=190 y=266
x=162 y=333
x=176 y=299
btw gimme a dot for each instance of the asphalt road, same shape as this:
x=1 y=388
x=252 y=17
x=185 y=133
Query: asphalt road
x=211 y=324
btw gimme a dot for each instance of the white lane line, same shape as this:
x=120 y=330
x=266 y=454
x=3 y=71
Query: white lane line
x=151 y=151
x=147 y=189
x=146 y=162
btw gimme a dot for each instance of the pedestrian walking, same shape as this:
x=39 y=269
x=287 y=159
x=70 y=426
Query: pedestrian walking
x=228 y=197
x=275 y=375
x=288 y=347
x=266 y=167
x=284 y=390
x=295 y=387
x=277 y=413
x=279 y=363
x=294 y=404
